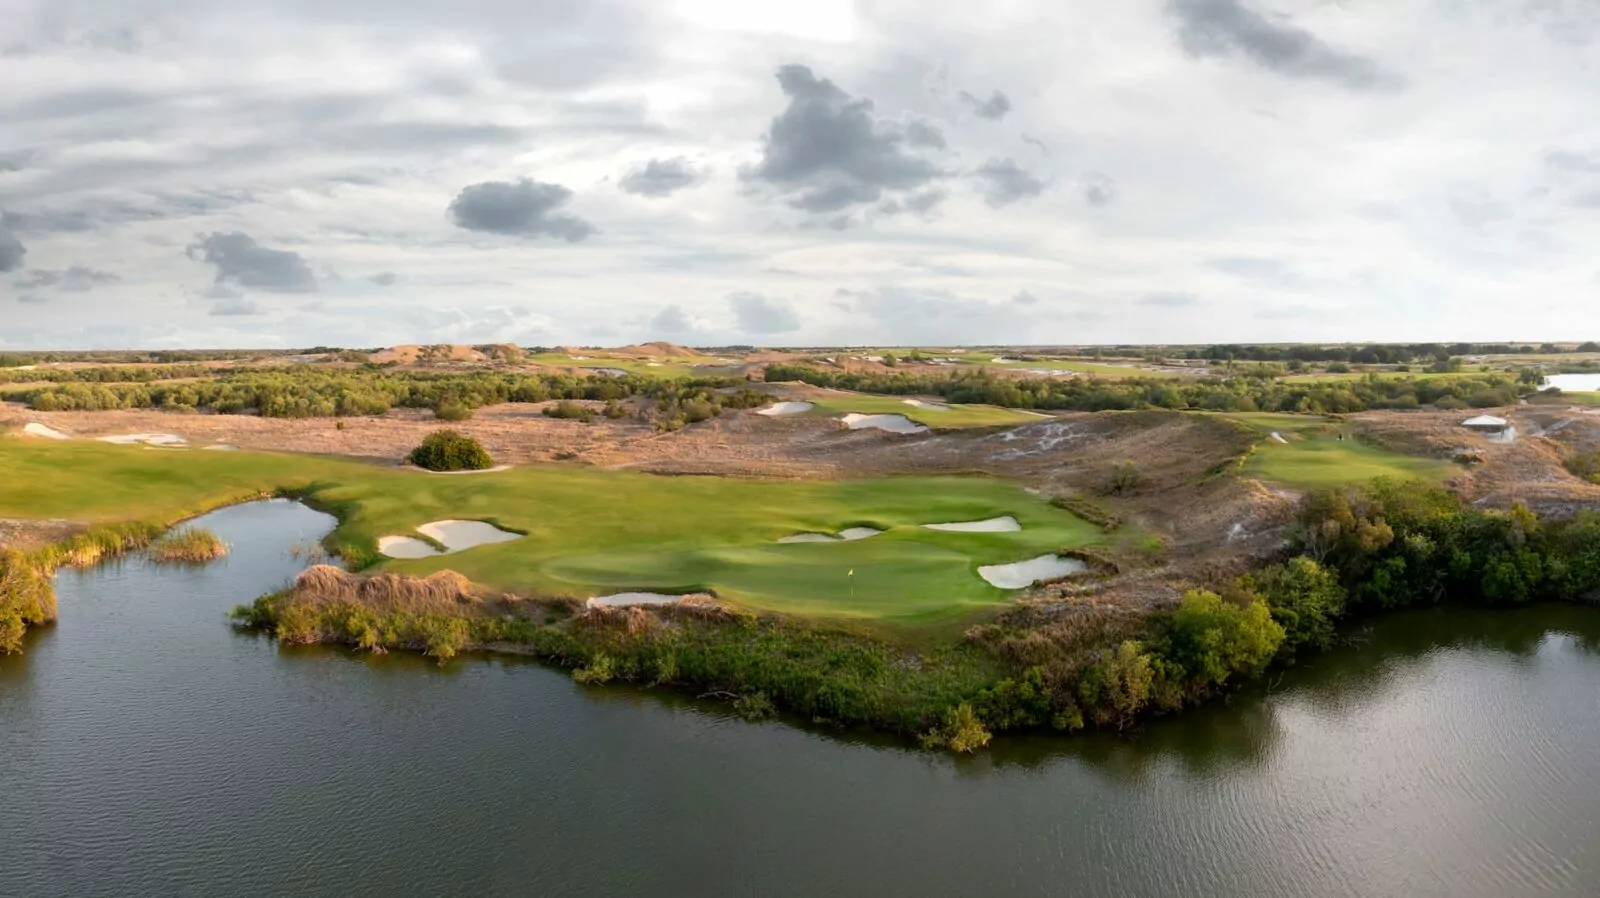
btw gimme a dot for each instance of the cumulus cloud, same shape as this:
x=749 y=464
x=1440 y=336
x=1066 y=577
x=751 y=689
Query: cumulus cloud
x=1573 y=162
x=11 y=249
x=661 y=177
x=236 y=306
x=994 y=108
x=384 y=278
x=1004 y=182
x=672 y=320
x=829 y=151
x=757 y=314
x=522 y=208
x=1168 y=300
x=74 y=279
x=1098 y=189
x=240 y=260
x=1218 y=28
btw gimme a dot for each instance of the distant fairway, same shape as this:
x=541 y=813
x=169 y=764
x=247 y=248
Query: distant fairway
x=1313 y=456
x=954 y=416
x=592 y=532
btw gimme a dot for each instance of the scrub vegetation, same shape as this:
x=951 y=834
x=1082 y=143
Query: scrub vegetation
x=188 y=545
x=447 y=450
x=1233 y=394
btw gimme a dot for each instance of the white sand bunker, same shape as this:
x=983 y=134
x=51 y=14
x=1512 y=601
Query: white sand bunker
x=1278 y=437
x=458 y=536
x=623 y=599
x=891 y=423
x=149 y=439
x=1002 y=524
x=49 y=433
x=847 y=535
x=1022 y=574
x=405 y=547
x=786 y=408
x=493 y=470
x=221 y=447
x=930 y=406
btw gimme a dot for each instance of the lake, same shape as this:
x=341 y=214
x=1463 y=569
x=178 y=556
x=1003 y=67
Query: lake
x=148 y=748
x=1574 y=383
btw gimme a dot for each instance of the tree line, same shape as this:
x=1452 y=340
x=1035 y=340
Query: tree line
x=1234 y=394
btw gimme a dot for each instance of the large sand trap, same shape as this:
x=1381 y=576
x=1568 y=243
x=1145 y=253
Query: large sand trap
x=622 y=599
x=405 y=547
x=149 y=439
x=1003 y=524
x=930 y=406
x=891 y=423
x=786 y=408
x=847 y=535
x=458 y=536
x=49 y=433
x=1278 y=437
x=1022 y=574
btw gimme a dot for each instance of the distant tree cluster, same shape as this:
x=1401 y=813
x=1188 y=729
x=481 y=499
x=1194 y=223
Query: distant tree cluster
x=1246 y=393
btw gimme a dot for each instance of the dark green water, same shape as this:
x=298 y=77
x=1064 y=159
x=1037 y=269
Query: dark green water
x=148 y=749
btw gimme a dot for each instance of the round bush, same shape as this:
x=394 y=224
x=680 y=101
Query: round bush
x=448 y=450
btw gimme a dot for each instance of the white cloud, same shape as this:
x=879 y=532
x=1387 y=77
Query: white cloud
x=1304 y=170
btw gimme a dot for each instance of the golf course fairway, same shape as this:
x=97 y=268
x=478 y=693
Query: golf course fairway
x=591 y=532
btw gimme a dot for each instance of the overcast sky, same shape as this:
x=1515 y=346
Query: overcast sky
x=370 y=172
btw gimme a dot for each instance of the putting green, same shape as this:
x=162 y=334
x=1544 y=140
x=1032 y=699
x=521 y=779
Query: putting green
x=1310 y=462
x=592 y=532
x=937 y=418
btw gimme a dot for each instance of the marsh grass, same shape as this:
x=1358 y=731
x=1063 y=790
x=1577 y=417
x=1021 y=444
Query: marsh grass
x=27 y=597
x=188 y=545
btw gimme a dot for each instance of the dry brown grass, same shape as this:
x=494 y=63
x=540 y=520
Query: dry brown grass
x=444 y=592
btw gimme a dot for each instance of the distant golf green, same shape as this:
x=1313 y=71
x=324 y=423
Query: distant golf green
x=1323 y=460
x=591 y=532
x=947 y=416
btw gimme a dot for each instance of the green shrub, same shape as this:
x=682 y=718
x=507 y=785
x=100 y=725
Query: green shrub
x=601 y=669
x=452 y=411
x=448 y=450
x=754 y=706
x=568 y=410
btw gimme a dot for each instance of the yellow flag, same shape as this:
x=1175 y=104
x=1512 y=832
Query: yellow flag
x=852 y=573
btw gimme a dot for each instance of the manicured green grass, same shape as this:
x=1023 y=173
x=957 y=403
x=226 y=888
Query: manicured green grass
x=664 y=367
x=1581 y=398
x=1269 y=422
x=1382 y=375
x=592 y=532
x=954 y=416
x=1323 y=461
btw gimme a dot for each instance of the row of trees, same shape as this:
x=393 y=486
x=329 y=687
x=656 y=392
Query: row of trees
x=304 y=392
x=1371 y=354
x=1235 y=394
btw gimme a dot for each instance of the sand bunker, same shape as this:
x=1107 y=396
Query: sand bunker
x=405 y=547
x=1278 y=437
x=1022 y=574
x=458 y=536
x=847 y=535
x=786 y=408
x=930 y=406
x=221 y=447
x=149 y=439
x=622 y=599
x=891 y=423
x=483 y=471
x=49 y=433
x=1003 y=524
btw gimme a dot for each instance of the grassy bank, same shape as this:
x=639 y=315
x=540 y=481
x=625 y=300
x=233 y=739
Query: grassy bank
x=27 y=596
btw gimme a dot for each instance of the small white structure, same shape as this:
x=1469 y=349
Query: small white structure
x=1486 y=424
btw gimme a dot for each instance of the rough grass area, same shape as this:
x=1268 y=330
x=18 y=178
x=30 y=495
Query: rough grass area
x=592 y=532
x=954 y=417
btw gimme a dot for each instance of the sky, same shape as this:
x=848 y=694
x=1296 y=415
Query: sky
x=289 y=173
